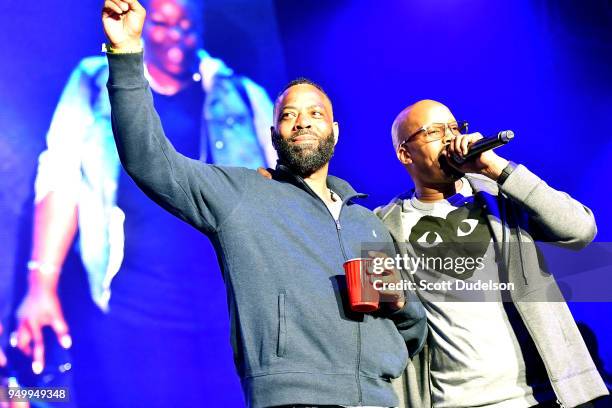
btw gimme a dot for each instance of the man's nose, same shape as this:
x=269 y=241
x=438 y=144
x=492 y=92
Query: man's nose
x=302 y=122
x=448 y=136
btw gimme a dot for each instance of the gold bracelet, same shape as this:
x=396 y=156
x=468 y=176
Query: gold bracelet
x=108 y=48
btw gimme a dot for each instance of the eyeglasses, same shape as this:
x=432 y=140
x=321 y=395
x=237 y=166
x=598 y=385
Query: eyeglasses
x=437 y=131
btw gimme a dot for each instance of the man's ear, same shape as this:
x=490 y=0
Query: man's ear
x=404 y=156
x=336 y=129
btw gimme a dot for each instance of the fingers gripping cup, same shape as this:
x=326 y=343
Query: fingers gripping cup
x=362 y=295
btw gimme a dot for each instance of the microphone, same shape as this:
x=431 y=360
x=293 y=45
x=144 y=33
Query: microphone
x=484 y=144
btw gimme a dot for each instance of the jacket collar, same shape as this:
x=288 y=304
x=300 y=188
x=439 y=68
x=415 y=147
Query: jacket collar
x=336 y=184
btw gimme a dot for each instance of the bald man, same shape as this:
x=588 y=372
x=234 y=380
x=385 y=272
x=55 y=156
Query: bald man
x=483 y=351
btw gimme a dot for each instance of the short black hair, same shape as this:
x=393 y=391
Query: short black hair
x=300 y=81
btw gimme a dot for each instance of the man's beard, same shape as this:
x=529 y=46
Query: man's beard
x=304 y=160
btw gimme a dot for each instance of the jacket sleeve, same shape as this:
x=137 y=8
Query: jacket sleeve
x=557 y=217
x=411 y=322
x=59 y=165
x=203 y=195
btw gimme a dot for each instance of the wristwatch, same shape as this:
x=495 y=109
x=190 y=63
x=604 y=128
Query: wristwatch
x=506 y=172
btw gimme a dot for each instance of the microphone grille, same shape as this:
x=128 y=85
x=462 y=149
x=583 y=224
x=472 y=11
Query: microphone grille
x=506 y=136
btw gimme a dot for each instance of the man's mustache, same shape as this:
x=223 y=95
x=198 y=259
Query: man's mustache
x=303 y=132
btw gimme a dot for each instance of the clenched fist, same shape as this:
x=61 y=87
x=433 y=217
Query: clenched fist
x=488 y=163
x=123 y=21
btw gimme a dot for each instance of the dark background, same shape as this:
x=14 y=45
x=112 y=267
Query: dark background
x=541 y=68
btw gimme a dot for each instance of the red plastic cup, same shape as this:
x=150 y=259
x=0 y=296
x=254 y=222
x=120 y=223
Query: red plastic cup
x=362 y=295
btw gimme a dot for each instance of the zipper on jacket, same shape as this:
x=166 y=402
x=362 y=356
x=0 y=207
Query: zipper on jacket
x=339 y=234
x=358 y=365
x=357 y=377
x=336 y=221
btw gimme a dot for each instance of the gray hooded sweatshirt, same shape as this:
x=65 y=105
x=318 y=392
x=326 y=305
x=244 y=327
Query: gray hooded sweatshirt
x=281 y=254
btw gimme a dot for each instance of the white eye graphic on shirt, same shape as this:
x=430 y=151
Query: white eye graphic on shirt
x=425 y=239
x=471 y=225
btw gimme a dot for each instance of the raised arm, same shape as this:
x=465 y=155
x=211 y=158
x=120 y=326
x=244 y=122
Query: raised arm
x=554 y=215
x=200 y=194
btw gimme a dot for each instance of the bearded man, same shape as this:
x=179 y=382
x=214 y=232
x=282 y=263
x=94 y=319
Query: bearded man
x=281 y=242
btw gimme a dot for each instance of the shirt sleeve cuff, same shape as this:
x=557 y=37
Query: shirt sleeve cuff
x=126 y=70
x=520 y=184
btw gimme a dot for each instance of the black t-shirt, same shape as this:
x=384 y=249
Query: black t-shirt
x=170 y=274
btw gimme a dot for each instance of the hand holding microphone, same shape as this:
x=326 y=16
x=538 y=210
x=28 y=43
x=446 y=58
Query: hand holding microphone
x=484 y=144
x=472 y=153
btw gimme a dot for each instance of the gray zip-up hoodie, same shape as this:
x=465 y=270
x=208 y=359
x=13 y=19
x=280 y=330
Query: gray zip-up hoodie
x=523 y=210
x=281 y=253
